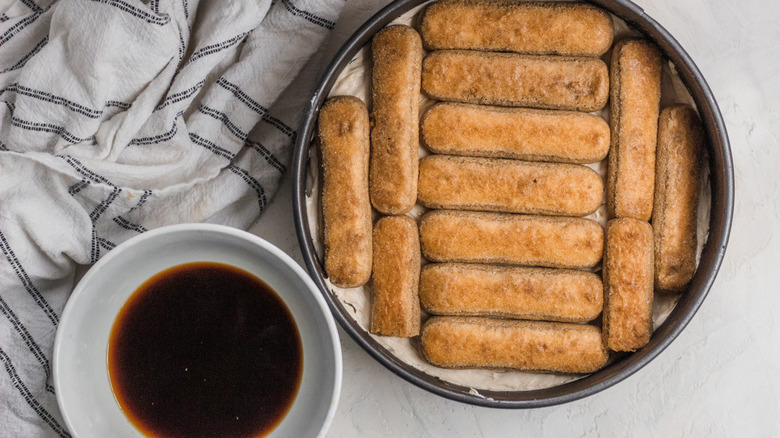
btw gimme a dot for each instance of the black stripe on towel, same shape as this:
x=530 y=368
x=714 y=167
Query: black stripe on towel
x=182 y=49
x=19 y=64
x=106 y=243
x=48 y=97
x=181 y=95
x=101 y=208
x=308 y=16
x=79 y=186
x=235 y=130
x=218 y=47
x=267 y=155
x=258 y=188
x=34 y=348
x=83 y=171
x=126 y=224
x=243 y=97
x=117 y=104
x=159 y=138
x=47 y=127
x=222 y=117
x=222 y=152
x=21 y=274
x=256 y=107
x=94 y=251
x=18 y=27
x=31 y=4
x=253 y=183
x=58 y=100
x=137 y=12
x=98 y=242
x=30 y=398
x=147 y=193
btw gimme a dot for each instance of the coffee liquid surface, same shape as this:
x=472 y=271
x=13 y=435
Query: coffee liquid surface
x=205 y=350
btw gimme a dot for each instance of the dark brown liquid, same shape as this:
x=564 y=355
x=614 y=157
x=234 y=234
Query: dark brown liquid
x=205 y=350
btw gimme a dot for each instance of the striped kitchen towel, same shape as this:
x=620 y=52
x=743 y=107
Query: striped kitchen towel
x=119 y=116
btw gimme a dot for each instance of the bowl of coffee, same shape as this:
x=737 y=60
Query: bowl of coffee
x=197 y=330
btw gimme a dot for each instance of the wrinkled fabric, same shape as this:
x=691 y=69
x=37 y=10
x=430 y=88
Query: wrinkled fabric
x=120 y=116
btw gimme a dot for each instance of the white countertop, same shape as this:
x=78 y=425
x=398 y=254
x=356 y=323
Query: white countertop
x=720 y=376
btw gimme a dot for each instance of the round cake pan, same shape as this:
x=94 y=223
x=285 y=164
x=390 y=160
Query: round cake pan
x=722 y=204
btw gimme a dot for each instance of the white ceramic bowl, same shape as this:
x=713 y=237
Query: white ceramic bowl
x=80 y=348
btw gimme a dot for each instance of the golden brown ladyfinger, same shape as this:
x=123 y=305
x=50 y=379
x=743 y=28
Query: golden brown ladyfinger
x=634 y=104
x=522 y=133
x=678 y=164
x=492 y=184
x=476 y=237
x=628 y=284
x=508 y=79
x=466 y=289
x=395 y=309
x=555 y=28
x=395 y=87
x=346 y=209
x=471 y=342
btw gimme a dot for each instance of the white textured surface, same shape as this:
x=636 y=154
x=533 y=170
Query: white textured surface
x=719 y=377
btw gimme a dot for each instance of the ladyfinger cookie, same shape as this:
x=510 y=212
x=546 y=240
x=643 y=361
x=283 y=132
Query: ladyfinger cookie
x=554 y=28
x=628 y=284
x=471 y=342
x=634 y=105
x=508 y=79
x=526 y=134
x=492 y=184
x=678 y=161
x=395 y=88
x=395 y=310
x=512 y=292
x=346 y=209
x=476 y=237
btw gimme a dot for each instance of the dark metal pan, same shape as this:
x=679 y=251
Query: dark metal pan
x=722 y=205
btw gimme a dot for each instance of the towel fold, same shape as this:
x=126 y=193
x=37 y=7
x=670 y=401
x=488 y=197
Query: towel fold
x=119 y=116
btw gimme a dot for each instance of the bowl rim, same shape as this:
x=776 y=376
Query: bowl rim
x=722 y=206
x=275 y=252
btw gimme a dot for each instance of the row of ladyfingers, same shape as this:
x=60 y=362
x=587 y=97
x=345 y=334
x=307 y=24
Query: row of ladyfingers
x=464 y=32
x=653 y=172
x=490 y=184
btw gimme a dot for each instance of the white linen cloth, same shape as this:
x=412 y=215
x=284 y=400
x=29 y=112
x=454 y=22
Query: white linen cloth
x=119 y=116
